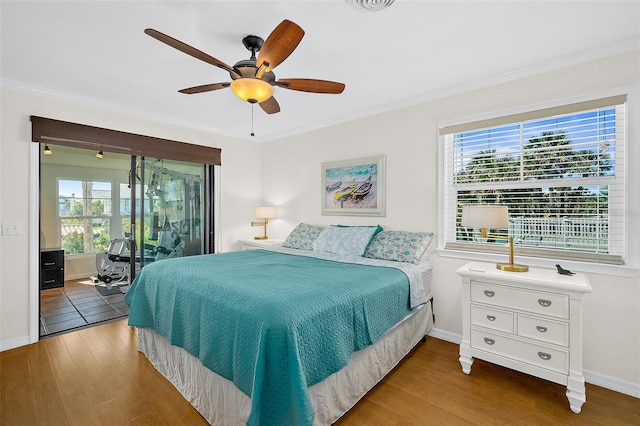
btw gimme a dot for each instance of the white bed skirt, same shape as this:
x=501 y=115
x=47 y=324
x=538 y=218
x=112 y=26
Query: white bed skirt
x=221 y=403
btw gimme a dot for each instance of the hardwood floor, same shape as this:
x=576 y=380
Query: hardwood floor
x=96 y=376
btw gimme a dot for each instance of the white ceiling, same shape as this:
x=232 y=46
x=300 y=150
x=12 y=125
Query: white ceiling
x=96 y=53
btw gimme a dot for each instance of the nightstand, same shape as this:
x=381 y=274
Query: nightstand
x=256 y=244
x=527 y=321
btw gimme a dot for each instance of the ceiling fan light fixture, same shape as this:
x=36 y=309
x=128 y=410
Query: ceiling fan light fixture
x=252 y=90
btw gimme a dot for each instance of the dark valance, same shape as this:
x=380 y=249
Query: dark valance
x=56 y=132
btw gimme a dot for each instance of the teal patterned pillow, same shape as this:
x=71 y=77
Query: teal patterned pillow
x=345 y=240
x=302 y=237
x=399 y=246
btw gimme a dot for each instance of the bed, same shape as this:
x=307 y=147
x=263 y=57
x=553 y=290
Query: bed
x=280 y=336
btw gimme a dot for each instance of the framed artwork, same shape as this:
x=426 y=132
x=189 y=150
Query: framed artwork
x=353 y=187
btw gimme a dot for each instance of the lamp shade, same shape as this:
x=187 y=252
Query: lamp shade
x=252 y=89
x=264 y=212
x=489 y=216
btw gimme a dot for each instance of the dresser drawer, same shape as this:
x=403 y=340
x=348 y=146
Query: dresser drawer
x=538 y=355
x=492 y=318
x=539 y=302
x=555 y=332
x=51 y=278
x=51 y=259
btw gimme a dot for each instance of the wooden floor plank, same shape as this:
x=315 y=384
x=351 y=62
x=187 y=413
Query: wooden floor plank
x=79 y=406
x=98 y=377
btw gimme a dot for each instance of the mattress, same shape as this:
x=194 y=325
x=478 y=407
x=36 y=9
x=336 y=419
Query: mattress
x=309 y=317
x=221 y=403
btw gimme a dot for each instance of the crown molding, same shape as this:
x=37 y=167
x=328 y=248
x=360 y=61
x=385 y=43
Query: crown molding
x=587 y=55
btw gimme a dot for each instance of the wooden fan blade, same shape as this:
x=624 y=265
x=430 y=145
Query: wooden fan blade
x=270 y=106
x=310 y=85
x=189 y=50
x=282 y=41
x=204 y=88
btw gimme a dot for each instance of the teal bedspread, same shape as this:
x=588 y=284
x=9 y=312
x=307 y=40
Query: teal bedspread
x=271 y=323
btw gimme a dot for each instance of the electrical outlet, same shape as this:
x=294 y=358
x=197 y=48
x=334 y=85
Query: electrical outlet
x=10 y=229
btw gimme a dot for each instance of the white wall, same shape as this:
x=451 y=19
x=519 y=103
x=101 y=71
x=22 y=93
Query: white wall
x=240 y=176
x=409 y=139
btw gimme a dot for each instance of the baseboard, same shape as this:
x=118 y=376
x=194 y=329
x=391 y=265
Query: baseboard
x=445 y=335
x=612 y=383
x=604 y=381
x=79 y=276
x=5 y=345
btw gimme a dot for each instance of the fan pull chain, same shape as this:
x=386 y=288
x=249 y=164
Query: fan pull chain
x=252 y=134
x=252 y=107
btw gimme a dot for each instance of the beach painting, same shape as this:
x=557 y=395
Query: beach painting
x=353 y=187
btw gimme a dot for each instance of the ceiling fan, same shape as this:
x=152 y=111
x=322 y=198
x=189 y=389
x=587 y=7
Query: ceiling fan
x=253 y=80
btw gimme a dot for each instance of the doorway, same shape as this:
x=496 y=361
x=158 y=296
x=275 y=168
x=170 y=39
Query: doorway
x=108 y=215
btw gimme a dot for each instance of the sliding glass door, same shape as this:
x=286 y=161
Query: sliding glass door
x=110 y=206
x=168 y=217
x=116 y=213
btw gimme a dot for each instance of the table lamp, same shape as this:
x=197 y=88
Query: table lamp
x=491 y=216
x=266 y=213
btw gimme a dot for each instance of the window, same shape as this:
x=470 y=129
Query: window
x=560 y=171
x=84 y=209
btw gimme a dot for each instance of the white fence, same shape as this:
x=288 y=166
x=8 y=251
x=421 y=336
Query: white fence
x=591 y=234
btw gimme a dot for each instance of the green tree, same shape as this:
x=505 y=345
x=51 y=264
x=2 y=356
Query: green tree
x=547 y=156
x=73 y=243
x=489 y=166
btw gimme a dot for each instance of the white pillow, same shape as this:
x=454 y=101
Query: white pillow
x=345 y=240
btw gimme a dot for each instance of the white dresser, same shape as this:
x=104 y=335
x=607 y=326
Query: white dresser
x=528 y=321
x=256 y=244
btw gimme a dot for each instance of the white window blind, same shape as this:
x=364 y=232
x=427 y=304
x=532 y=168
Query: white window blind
x=560 y=171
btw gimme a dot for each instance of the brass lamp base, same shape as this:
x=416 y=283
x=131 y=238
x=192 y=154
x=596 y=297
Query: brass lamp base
x=264 y=224
x=512 y=267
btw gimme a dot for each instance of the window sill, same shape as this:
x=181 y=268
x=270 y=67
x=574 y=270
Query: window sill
x=80 y=255
x=587 y=267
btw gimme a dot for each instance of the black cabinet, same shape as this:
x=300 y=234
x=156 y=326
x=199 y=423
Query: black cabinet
x=51 y=269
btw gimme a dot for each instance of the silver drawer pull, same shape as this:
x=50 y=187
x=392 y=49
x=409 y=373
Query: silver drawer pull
x=491 y=317
x=49 y=281
x=541 y=329
x=544 y=356
x=489 y=341
x=49 y=263
x=489 y=293
x=544 y=302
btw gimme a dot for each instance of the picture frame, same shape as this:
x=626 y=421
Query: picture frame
x=354 y=187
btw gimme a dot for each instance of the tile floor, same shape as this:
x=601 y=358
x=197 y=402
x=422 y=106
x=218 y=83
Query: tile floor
x=77 y=304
